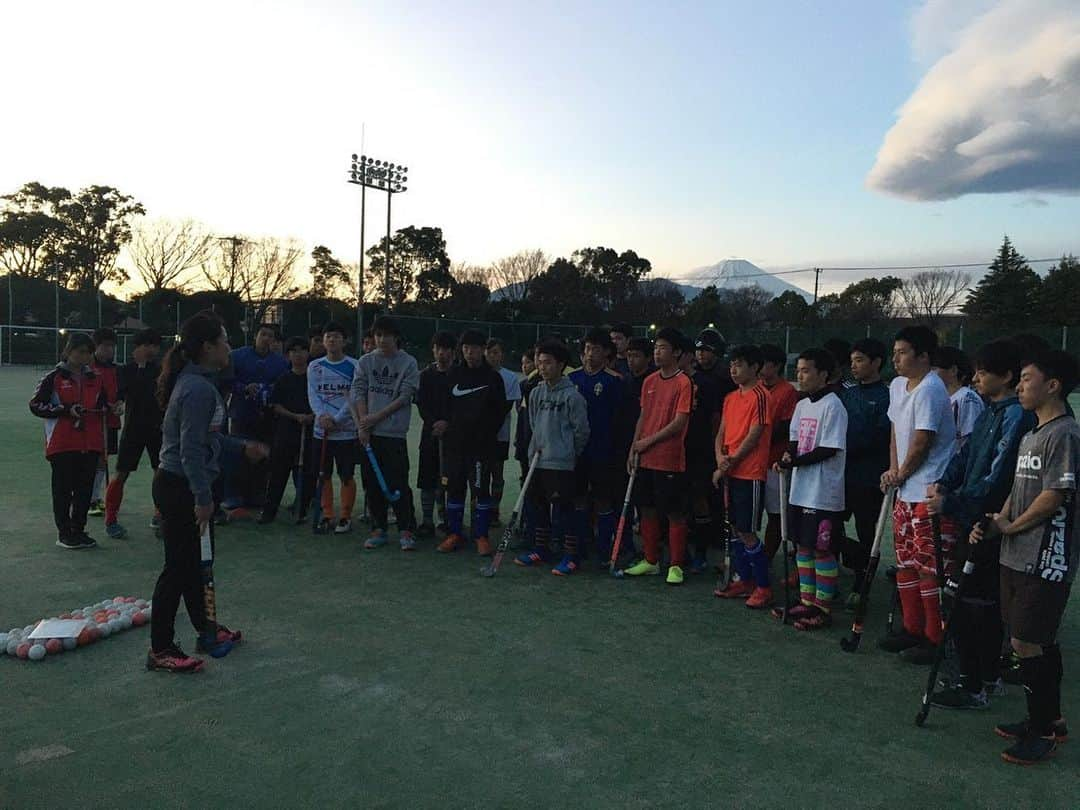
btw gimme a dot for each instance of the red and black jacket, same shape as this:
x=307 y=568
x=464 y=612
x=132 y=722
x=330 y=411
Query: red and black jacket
x=57 y=392
x=109 y=374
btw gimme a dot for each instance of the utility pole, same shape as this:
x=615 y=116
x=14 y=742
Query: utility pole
x=817 y=278
x=236 y=244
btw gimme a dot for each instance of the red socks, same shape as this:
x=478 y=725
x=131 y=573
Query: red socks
x=677 y=542
x=907 y=583
x=650 y=536
x=928 y=590
x=114 y=494
x=348 y=499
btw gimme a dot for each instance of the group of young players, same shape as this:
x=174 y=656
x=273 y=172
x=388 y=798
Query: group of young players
x=980 y=456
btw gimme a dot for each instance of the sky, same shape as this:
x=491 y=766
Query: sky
x=788 y=133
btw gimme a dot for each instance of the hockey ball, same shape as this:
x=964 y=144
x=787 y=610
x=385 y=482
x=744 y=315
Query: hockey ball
x=54 y=646
x=36 y=652
x=23 y=650
x=70 y=643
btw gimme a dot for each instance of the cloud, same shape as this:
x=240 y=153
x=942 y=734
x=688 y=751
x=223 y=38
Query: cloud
x=998 y=111
x=1031 y=202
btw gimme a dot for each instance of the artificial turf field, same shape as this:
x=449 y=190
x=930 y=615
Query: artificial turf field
x=382 y=679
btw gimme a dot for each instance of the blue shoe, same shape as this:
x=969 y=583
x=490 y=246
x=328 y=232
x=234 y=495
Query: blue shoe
x=375 y=540
x=536 y=556
x=115 y=531
x=699 y=565
x=567 y=565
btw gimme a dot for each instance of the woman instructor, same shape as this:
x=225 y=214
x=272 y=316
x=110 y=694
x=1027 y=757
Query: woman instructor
x=192 y=449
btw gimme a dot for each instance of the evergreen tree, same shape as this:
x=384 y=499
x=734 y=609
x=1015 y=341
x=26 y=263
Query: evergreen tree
x=1008 y=295
x=1060 y=293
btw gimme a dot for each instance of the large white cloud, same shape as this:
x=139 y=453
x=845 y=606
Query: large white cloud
x=999 y=111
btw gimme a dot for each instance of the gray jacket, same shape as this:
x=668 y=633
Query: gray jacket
x=379 y=380
x=560 y=425
x=192 y=438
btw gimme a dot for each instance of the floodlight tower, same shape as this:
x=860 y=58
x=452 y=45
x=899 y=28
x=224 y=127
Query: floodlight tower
x=382 y=175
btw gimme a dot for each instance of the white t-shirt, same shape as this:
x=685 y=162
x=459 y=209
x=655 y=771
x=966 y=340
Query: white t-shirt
x=819 y=424
x=512 y=384
x=926 y=407
x=966 y=407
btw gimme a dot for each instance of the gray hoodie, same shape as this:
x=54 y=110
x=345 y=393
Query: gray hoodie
x=192 y=441
x=560 y=424
x=379 y=380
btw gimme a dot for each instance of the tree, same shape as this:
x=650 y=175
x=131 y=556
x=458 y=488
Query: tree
x=164 y=251
x=511 y=275
x=1008 y=294
x=867 y=300
x=227 y=268
x=563 y=293
x=616 y=274
x=434 y=284
x=705 y=308
x=412 y=251
x=1059 y=296
x=932 y=293
x=789 y=309
x=31 y=230
x=746 y=305
x=328 y=274
x=269 y=274
x=97 y=224
x=658 y=300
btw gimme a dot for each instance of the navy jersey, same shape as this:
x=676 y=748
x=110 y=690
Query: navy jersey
x=603 y=392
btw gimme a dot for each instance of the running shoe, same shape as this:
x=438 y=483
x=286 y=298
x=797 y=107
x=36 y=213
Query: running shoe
x=736 y=589
x=674 y=575
x=535 y=556
x=173 y=660
x=115 y=531
x=644 y=568
x=452 y=542
x=376 y=540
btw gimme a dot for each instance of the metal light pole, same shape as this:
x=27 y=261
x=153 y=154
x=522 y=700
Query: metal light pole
x=382 y=175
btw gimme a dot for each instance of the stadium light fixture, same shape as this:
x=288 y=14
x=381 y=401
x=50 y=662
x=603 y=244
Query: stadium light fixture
x=380 y=175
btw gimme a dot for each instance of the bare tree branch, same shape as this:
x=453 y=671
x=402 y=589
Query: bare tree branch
x=225 y=270
x=465 y=273
x=511 y=275
x=268 y=276
x=165 y=252
x=932 y=293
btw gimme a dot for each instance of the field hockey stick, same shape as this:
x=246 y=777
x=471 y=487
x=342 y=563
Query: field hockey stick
x=508 y=532
x=894 y=603
x=954 y=592
x=394 y=496
x=206 y=574
x=623 y=516
x=316 y=507
x=785 y=539
x=724 y=579
x=851 y=644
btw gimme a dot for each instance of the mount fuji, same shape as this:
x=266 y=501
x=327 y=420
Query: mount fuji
x=731 y=274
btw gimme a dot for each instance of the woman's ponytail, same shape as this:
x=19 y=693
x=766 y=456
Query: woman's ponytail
x=201 y=328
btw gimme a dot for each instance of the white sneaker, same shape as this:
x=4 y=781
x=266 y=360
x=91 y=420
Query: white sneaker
x=344 y=526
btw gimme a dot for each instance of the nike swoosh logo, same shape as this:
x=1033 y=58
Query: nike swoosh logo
x=464 y=392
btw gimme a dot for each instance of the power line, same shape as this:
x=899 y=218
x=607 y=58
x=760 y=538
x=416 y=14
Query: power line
x=865 y=269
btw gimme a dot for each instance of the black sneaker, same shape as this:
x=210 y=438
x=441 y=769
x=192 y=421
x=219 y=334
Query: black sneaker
x=1016 y=731
x=72 y=543
x=959 y=698
x=86 y=540
x=899 y=642
x=922 y=654
x=1030 y=750
x=425 y=530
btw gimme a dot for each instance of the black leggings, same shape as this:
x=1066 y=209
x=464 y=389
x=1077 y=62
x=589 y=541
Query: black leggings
x=180 y=577
x=72 y=479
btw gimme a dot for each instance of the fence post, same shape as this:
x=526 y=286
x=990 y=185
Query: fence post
x=868 y=330
x=960 y=343
x=787 y=340
x=1064 y=338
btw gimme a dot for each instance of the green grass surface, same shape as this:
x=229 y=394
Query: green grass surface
x=379 y=679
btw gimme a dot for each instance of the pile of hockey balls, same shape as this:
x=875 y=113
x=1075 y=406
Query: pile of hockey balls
x=103 y=620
